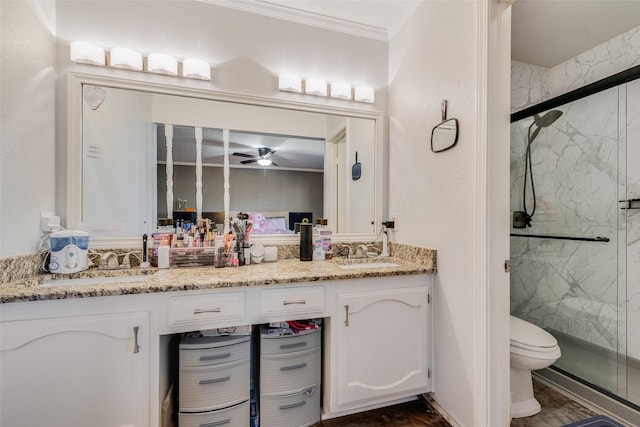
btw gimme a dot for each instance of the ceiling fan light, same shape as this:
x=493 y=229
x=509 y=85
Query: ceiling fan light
x=264 y=162
x=316 y=87
x=341 y=90
x=364 y=94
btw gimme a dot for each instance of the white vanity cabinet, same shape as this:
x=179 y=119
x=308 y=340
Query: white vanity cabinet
x=90 y=370
x=379 y=345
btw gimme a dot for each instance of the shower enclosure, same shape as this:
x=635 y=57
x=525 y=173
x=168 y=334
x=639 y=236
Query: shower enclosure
x=575 y=267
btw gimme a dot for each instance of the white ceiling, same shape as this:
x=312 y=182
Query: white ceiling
x=544 y=32
x=289 y=152
x=549 y=32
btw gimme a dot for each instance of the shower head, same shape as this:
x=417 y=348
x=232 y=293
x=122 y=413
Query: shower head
x=547 y=119
x=543 y=122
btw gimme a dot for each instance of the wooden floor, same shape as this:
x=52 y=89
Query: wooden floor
x=557 y=411
x=417 y=413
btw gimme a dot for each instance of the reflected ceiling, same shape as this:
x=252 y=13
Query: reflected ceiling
x=288 y=152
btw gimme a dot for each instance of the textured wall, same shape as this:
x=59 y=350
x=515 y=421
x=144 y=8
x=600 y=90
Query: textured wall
x=27 y=124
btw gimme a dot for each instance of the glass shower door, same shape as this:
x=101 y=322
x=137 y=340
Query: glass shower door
x=565 y=265
x=630 y=251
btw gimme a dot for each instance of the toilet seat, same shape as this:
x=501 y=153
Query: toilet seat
x=527 y=338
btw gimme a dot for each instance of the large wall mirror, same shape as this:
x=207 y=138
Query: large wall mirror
x=143 y=152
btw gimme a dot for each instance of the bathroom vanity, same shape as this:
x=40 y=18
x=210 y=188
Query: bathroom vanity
x=75 y=354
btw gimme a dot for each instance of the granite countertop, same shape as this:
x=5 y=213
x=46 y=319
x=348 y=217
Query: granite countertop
x=152 y=280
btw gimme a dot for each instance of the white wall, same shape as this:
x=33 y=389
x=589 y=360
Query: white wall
x=27 y=122
x=434 y=58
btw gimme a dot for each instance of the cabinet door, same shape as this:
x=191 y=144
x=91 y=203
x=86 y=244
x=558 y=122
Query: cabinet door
x=75 y=371
x=382 y=345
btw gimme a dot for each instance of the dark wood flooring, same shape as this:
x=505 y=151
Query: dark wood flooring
x=557 y=410
x=417 y=413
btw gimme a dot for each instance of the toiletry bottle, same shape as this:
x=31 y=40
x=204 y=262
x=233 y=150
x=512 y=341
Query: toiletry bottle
x=318 y=252
x=325 y=233
x=246 y=247
x=164 y=253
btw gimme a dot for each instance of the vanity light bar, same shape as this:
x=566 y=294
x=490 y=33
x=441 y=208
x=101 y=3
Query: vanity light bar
x=341 y=90
x=318 y=87
x=315 y=86
x=364 y=94
x=196 y=69
x=162 y=64
x=87 y=53
x=290 y=83
x=128 y=59
x=121 y=57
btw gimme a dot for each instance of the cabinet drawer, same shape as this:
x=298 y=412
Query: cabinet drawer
x=213 y=387
x=206 y=309
x=290 y=343
x=292 y=301
x=293 y=410
x=236 y=416
x=280 y=373
x=214 y=350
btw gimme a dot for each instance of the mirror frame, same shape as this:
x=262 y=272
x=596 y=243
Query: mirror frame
x=76 y=80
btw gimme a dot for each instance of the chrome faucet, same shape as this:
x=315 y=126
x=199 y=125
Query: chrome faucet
x=350 y=254
x=361 y=252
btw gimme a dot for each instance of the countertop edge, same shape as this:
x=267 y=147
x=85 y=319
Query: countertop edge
x=283 y=272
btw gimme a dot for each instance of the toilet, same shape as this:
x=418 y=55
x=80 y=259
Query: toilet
x=531 y=348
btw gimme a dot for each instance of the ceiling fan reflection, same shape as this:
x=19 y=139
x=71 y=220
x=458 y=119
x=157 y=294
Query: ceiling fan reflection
x=263 y=158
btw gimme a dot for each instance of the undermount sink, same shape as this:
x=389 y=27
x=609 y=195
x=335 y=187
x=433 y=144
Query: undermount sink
x=99 y=280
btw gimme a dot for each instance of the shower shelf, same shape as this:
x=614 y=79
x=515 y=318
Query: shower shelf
x=550 y=236
x=630 y=204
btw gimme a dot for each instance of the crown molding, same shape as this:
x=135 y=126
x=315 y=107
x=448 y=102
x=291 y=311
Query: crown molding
x=306 y=18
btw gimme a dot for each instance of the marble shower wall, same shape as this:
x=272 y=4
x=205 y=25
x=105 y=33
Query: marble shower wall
x=569 y=286
x=578 y=287
x=532 y=84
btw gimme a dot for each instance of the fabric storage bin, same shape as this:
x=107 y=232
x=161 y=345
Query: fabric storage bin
x=290 y=343
x=205 y=388
x=280 y=373
x=203 y=351
x=299 y=409
x=235 y=416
